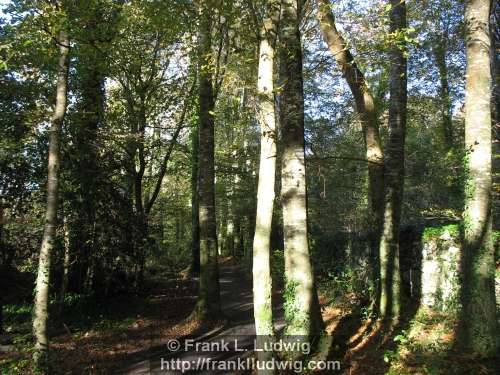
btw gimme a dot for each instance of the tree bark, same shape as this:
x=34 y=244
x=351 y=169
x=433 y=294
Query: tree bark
x=495 y=72
x=195 y=207
x=262 y=281
x=394 y=166
x=478 y=324
x=302 y=313
x=43 y=278
x=208 y=305
x=365 y=106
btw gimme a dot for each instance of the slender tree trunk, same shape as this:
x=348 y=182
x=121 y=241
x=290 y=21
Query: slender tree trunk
x=208 y=305
x=365 y=106
x=478 y=325
x=262 y=282
x=302 y=312
x=43 y=278
x=195 y=208
x=394 y=167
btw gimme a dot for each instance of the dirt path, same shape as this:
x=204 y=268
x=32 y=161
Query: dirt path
x=234 y=341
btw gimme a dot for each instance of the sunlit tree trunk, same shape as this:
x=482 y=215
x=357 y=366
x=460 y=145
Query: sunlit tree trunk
x=208 y=304
x=43 y=278
x=262 y=282
x=478 y=325
x=365 y=106
x=301 y=307
x=394 y=166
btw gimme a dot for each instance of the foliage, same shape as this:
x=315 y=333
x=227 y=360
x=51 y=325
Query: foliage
x=453 y=230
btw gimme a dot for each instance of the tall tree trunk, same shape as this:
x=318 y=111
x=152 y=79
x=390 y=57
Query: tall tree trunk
x=195 y=208
x=208 y=305
x=365 y=106
x=495 y=67
x=478 y=326
x=302 y=312
x=43 y=278
x=440 y=50
x=394 y=167
x=262 y=282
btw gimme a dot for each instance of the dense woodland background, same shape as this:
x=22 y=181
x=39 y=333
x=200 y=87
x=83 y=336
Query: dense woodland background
x=165 y=110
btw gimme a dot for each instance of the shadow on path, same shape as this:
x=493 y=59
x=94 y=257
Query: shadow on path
x=233 y=341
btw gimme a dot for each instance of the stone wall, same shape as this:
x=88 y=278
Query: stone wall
x=440 y=268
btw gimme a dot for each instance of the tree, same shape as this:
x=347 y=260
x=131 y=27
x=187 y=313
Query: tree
x=365 y=106
x=43 y=278
x=262 y=282
x=208 y=305
x=302 y=312
x=148 y=89
x=88 y=121
x=478 y=324
x=195 y=206
x=394 y=165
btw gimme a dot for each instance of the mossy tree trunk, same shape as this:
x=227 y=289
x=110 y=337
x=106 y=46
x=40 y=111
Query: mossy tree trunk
x=394 y=166
x=43 y=279
x=302 y=312
x=208 y=305
x=478 y=326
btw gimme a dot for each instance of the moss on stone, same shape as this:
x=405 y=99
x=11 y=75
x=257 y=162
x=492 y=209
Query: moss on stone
x=436 y=232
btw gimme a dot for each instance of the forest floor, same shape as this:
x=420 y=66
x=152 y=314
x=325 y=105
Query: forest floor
x=129 y=335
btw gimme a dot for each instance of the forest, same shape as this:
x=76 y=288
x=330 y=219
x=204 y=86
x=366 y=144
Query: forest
x=250 y=187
